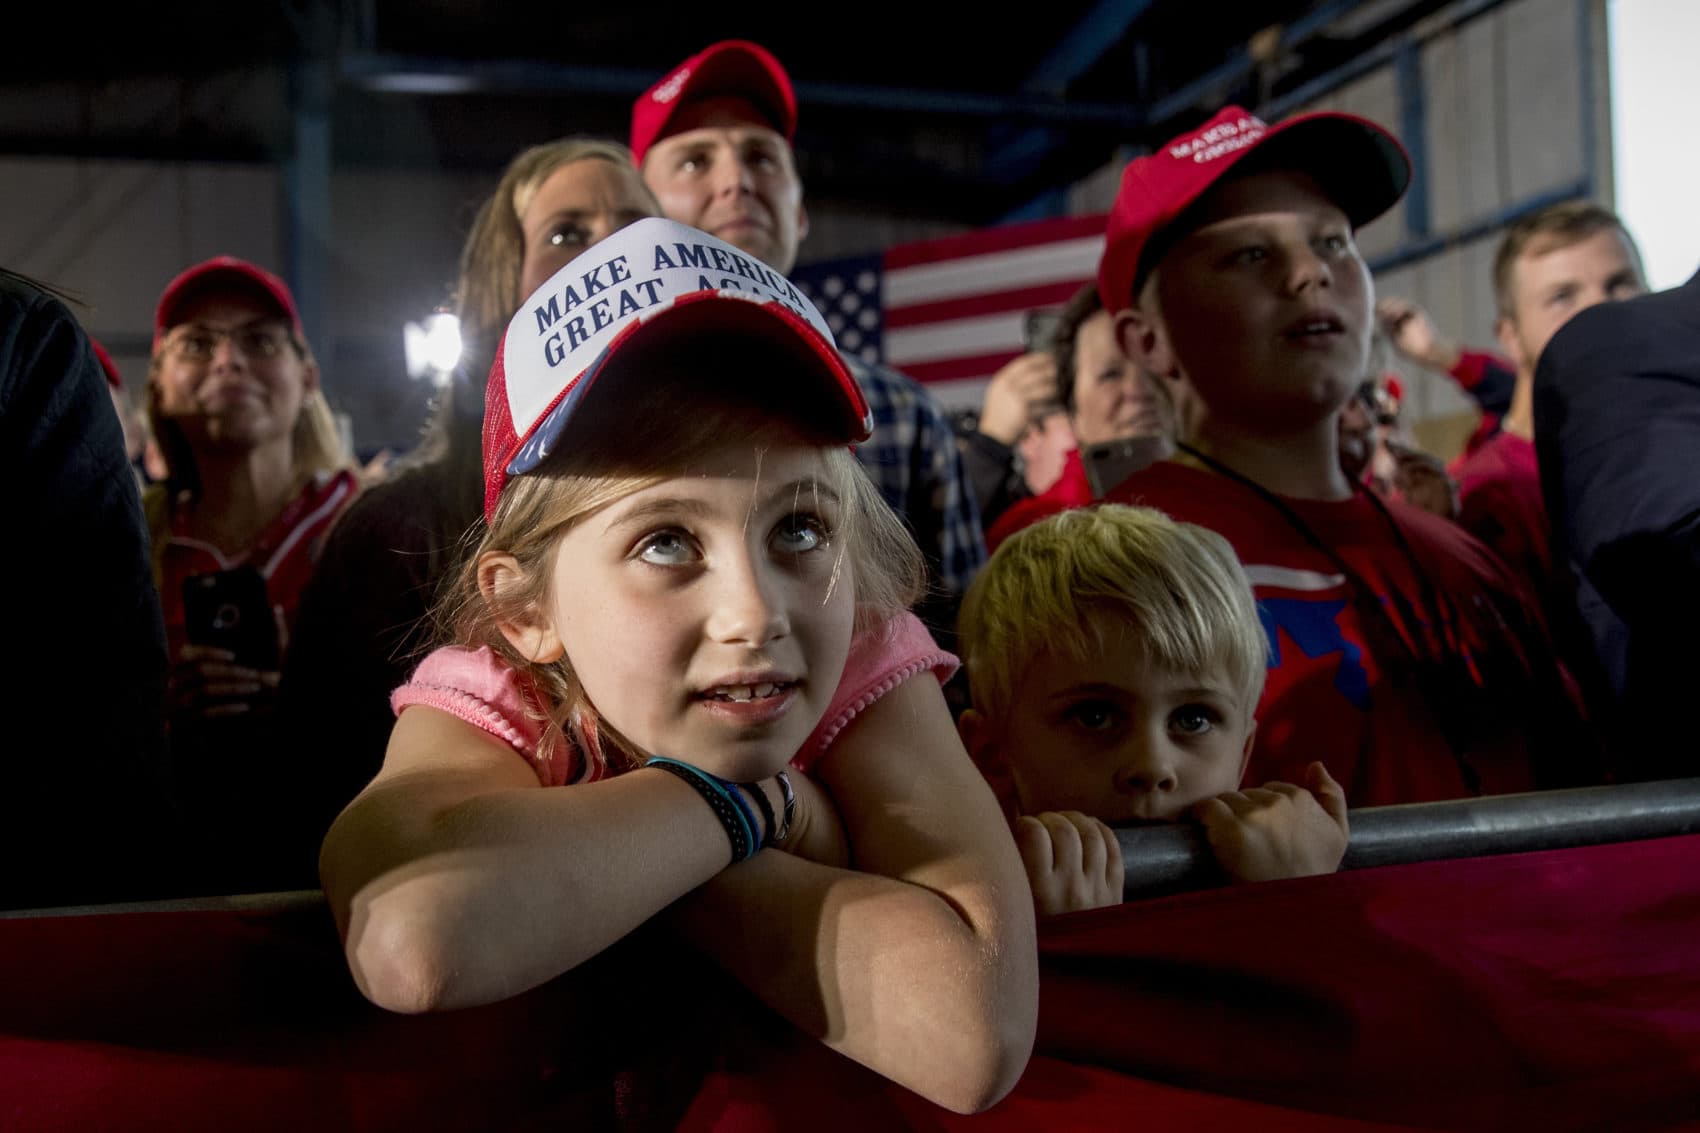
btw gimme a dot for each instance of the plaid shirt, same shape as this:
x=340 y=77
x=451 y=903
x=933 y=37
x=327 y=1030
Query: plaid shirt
x=913 y=459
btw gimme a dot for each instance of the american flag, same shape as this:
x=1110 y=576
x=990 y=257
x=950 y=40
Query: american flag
x=949 y=312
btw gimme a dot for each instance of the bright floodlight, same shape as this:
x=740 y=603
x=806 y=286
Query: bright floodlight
x=432 y=346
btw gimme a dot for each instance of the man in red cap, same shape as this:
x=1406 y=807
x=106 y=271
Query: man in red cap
x=713 y=139
x=1402 y=653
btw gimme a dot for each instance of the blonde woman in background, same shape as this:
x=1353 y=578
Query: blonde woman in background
x=365 y=621
x=256 y=473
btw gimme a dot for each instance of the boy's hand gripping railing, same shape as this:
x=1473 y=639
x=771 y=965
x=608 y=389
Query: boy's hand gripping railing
x=1166 y=859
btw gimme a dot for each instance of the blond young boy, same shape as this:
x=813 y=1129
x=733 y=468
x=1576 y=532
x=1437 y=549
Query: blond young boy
x=1115 y=659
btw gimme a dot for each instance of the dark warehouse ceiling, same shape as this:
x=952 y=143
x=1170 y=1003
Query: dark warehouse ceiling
x=904 y=106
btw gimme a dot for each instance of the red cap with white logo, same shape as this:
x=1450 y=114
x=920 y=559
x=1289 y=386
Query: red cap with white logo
x=1360 y=166
x=223 y=275
x=731 y=67
x=654 y=281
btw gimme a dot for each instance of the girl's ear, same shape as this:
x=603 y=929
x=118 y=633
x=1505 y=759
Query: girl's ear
x=531 y=632
x=987 y=753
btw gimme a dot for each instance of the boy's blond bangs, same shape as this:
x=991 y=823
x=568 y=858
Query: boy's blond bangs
x=1062 y=585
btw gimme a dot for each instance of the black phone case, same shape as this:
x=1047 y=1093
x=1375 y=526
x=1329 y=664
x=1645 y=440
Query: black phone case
x=1110 y=462
x=230 y=609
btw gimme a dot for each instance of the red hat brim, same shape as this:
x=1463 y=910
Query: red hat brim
x=733 y=67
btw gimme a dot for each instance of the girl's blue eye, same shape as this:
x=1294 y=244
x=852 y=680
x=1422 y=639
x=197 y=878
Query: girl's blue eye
x=667 y=548
x=799 y=534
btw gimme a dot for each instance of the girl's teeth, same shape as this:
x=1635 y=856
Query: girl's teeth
x=746 y=692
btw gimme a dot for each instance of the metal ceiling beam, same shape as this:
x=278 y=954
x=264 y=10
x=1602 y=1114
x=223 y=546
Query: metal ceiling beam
x=1208 y=85
x=1019 y=156
x=1079 y=51
x=432 y=76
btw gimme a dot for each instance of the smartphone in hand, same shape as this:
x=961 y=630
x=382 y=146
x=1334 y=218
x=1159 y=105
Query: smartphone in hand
x=1110 y=462
x=230 y=609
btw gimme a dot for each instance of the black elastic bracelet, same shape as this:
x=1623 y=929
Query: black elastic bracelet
x=766 y=808
x=737 y=828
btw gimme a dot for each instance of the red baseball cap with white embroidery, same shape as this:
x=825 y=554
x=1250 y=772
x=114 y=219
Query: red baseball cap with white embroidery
x=223 y=275
x=730 y=67
x=1360 y=166
x=656 y=282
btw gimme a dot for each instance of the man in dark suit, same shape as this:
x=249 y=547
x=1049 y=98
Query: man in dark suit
x=1617 y=429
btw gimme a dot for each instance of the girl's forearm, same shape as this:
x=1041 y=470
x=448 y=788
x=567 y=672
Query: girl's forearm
x=465 y=883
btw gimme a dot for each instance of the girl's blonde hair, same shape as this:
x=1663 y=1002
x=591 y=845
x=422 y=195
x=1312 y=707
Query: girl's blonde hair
x=634 y=439
x=1064 y=583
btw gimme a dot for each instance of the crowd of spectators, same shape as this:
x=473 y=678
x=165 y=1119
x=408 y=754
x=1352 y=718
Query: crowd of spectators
x=1220 y=560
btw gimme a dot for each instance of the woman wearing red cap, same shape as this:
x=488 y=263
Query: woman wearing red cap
x=256 y=473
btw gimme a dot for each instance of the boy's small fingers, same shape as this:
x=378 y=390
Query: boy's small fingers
x=1112 y=855
x=1066 y=848
x=1033 y=842
x=1093 y=852
x=1328 y=792
x=1211 y=810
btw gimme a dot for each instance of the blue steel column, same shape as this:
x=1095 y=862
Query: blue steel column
x=1585 y=93
x=307 y=195
x=1413 y=130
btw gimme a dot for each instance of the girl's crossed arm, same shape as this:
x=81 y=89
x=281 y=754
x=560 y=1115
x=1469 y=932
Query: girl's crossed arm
x=456 y=879
x=920 y=962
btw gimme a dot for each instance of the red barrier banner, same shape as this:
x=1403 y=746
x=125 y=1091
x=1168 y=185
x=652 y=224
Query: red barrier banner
x=1558 y=991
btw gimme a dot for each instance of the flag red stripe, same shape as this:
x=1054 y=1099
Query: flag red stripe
x=987 y=303
x=1002 y=239
x=955 y=369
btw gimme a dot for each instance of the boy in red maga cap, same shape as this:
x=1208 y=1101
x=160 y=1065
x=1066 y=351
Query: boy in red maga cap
x=1402 y=653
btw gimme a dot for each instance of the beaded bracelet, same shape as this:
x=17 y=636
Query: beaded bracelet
x=725 y=799
x=730 y=810
x=774 y=837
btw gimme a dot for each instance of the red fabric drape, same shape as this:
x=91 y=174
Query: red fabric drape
x=1558 y=991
